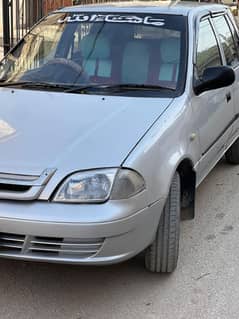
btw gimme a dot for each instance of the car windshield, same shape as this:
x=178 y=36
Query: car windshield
x=93 y=50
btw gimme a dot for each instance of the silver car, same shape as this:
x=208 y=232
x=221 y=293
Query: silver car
x=110 y=118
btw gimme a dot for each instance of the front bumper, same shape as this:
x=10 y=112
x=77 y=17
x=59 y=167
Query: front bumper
x=61 y=233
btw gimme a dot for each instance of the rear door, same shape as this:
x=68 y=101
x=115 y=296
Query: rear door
x=214 y=110
x=228 y=39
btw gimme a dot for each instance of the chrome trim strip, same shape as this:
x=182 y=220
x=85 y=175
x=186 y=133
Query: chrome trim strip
x=31 y=194
x=63 y=244
x=36 y=186
x=59 y=250
x=18 y=177
x=27 y=180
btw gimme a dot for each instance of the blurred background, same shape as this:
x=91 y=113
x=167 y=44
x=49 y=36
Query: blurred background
x=18 y=16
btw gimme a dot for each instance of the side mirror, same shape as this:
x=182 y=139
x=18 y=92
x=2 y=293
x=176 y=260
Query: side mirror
x=214 y=78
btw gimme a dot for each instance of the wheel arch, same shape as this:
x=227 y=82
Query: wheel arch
x=188 y=188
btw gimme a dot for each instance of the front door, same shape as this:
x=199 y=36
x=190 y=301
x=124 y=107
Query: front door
x=213 y=110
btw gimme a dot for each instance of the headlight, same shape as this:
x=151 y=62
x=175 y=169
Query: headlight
x=99 y=185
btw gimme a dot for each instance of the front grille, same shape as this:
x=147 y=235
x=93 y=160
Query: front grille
x=23 y=187
x=14 y=244
x=13 y=188
x=11 y=242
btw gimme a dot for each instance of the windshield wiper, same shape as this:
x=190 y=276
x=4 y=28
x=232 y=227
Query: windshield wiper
x=68 y=88
x=119 y=87
x=28 y=84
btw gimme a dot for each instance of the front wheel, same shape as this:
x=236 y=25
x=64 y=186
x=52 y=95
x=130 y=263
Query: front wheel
x=162 y=254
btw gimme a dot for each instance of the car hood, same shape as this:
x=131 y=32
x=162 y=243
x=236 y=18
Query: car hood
x=70 y=132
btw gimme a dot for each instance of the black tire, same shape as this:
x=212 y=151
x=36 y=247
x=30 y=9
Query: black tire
x=232 y=154
x=162 y=254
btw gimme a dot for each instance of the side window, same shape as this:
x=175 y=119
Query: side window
x=226 y=40
x=234 y=33
x=208 y=53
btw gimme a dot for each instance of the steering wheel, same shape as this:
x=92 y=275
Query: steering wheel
x=77 y=70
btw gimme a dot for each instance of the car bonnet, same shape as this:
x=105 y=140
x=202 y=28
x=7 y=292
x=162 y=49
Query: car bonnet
x=70 y=132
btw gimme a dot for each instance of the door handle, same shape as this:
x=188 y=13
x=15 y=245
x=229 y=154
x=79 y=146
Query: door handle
x=228 y=97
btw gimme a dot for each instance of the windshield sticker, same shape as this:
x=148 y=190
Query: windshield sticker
x=113 y=18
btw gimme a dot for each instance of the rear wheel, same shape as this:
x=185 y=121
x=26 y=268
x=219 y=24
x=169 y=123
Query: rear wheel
x=162 y=254
x=232 y=154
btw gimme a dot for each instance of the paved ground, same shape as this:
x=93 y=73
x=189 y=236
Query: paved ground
x=205 y=285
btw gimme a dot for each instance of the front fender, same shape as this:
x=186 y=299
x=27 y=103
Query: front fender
x=164 y=147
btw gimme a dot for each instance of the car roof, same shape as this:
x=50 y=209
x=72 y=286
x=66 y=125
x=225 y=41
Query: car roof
x=163 y=7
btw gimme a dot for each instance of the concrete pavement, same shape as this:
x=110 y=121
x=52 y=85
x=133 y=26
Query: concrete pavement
x=205 y=285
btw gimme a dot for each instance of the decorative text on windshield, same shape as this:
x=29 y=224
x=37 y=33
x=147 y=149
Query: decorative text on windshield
x=113 y=18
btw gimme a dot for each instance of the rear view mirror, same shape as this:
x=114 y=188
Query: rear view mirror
x=214 y=78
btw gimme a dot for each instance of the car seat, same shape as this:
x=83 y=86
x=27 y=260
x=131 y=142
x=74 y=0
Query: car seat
x=96 y=56
x=170 y=56
x=135 y=63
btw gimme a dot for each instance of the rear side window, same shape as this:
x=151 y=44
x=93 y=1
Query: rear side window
x=208 y=54
x=234 y=33
x=226 y=40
